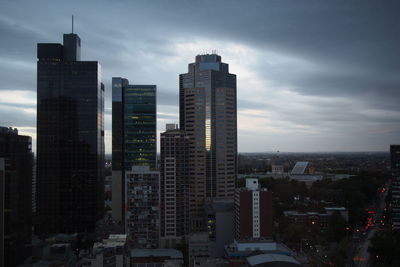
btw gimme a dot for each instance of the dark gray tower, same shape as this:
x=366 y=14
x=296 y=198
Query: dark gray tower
x=207 y=107
x=72 y=47
x=395 y=185
x=16 y=188
x=70 y=139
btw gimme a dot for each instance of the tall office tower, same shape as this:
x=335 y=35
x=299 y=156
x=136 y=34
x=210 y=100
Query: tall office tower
x=395 y=185
x=253 y=212
x=174 y=187
x=134 y=134
x=142 y=201
x=16 y=152
x=2 y=199
x=70 y=139
x=207 y=107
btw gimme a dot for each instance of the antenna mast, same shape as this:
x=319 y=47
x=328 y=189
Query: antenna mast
x=72 y=23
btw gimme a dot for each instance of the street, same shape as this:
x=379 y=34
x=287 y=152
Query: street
x=361 y=257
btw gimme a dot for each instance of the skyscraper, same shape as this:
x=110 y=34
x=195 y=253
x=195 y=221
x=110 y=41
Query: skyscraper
x=174 y=185
x=16 y=196
x=134 y=134
x=207 y=106
x=395 y=186
x=70 y=139
x=2 y=175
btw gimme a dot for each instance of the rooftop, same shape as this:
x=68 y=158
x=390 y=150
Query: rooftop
x=300 y=167
x=271 y=258
x=161 y=252
x=112 y=242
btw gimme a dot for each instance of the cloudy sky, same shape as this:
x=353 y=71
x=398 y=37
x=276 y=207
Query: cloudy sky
x=312 y=75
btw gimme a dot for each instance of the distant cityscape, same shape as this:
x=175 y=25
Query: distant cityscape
x=197 y=201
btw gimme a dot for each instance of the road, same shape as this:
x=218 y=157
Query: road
x=361 y=256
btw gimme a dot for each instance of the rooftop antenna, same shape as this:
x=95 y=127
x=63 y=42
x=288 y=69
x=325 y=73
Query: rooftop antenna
x=72 y=23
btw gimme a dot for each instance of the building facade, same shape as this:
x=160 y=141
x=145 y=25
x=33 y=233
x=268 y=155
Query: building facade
x=134 y=134
x=207 y=106
x=110 y=252
x=155 y=257
x=253 y=212
x=174 y=187
x=16 y=196
x=395 y=185
x=220 y=224
x=198 y=248
x=70 y=139
x=142 y=201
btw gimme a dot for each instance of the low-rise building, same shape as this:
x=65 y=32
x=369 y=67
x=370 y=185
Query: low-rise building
x=54 y=251
x=271 y=260
x=239 y=250
x=277 y=171
x=308 y=218
x=155 y=257
x=198 y=248
x=316 y=218
x=110 y=252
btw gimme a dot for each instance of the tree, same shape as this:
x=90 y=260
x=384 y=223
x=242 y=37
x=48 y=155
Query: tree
x=294 y=232
x=336 y=228
x=386 y=245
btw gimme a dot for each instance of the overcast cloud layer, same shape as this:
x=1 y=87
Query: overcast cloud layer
x=312 y=75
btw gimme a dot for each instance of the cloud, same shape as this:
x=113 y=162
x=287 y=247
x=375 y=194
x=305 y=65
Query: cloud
x=312 y=75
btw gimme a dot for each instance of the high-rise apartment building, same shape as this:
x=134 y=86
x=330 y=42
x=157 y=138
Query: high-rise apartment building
x=253 y=212
x=70 y=139
x=16 y=195
x=134 y=135
x=174 y=185
x=207 y=106
x=142 y=201
x=395 y=185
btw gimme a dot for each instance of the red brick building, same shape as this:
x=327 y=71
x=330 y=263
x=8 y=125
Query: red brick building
x=253 y=212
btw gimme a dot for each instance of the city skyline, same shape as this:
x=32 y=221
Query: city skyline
x=302 y=86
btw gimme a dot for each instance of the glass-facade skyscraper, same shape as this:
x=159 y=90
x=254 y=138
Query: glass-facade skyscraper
x=140 y=127
x=207 y=106
x=70 y=139
x=16 y=195
x=134 y=134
